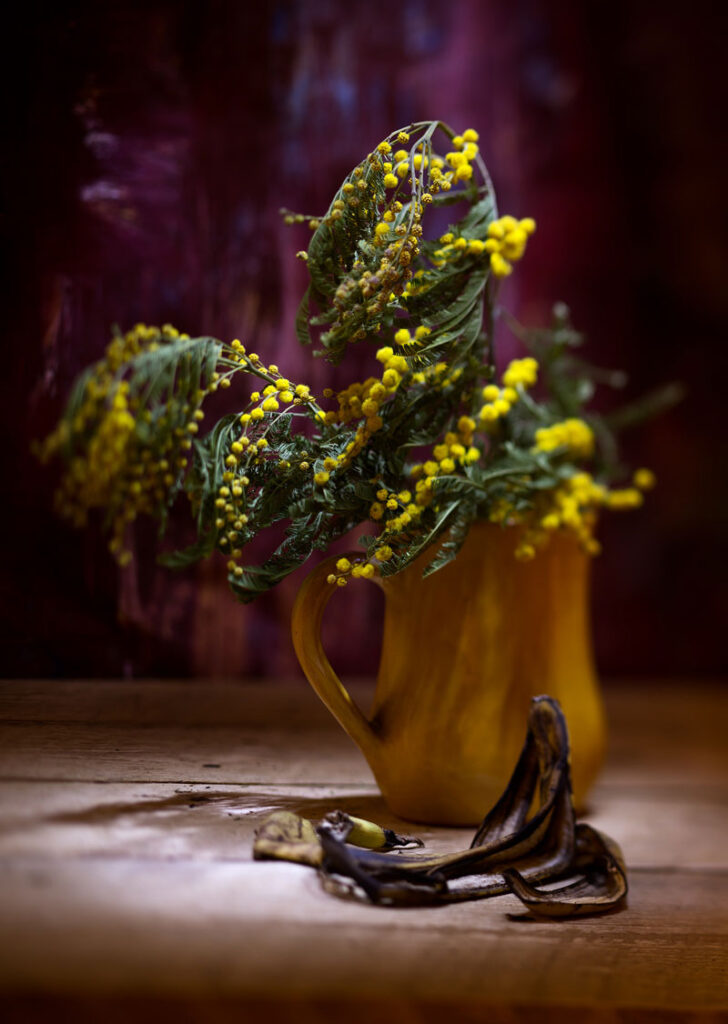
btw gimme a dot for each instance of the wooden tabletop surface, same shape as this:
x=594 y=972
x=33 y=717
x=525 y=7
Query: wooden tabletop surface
x=127 y=887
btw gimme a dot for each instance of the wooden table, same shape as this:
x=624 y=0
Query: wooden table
x=127 y=889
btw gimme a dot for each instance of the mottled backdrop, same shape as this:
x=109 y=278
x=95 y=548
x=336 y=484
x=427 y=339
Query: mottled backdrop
x=148 y=147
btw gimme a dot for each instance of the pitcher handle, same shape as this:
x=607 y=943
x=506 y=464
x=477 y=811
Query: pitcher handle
x=306 y=619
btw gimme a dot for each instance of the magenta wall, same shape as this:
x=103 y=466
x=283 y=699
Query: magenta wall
x=150 y=147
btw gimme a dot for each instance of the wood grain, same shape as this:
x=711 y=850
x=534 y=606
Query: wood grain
x=126 y=820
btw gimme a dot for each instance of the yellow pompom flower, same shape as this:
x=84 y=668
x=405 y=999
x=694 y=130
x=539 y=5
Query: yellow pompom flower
x=573 y=434
x=644 y=479
x=499 y=266
x=403 y=336
x=398 y=363
x=506 y=242
x=550 y=521
x=521 y=371
x=629 y=497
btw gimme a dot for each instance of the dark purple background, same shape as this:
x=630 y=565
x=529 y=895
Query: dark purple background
x=148 y=149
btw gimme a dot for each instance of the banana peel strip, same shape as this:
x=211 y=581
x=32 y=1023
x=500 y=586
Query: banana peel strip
x=510 y=852
x=601 y=883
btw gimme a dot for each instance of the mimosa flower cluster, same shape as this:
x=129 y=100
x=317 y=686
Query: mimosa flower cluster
x=436 y=437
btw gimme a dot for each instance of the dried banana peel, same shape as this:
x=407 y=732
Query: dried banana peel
x=285 y=836
x=510 y=852
x=600 y=883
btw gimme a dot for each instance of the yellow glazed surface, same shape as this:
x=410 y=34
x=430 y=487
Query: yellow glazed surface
x=463 y=653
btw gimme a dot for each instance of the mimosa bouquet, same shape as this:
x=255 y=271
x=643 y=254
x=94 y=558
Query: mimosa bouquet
x=433 y=440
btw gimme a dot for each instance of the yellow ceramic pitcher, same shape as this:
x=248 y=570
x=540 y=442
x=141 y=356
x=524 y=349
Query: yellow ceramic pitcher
x=463 y=653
